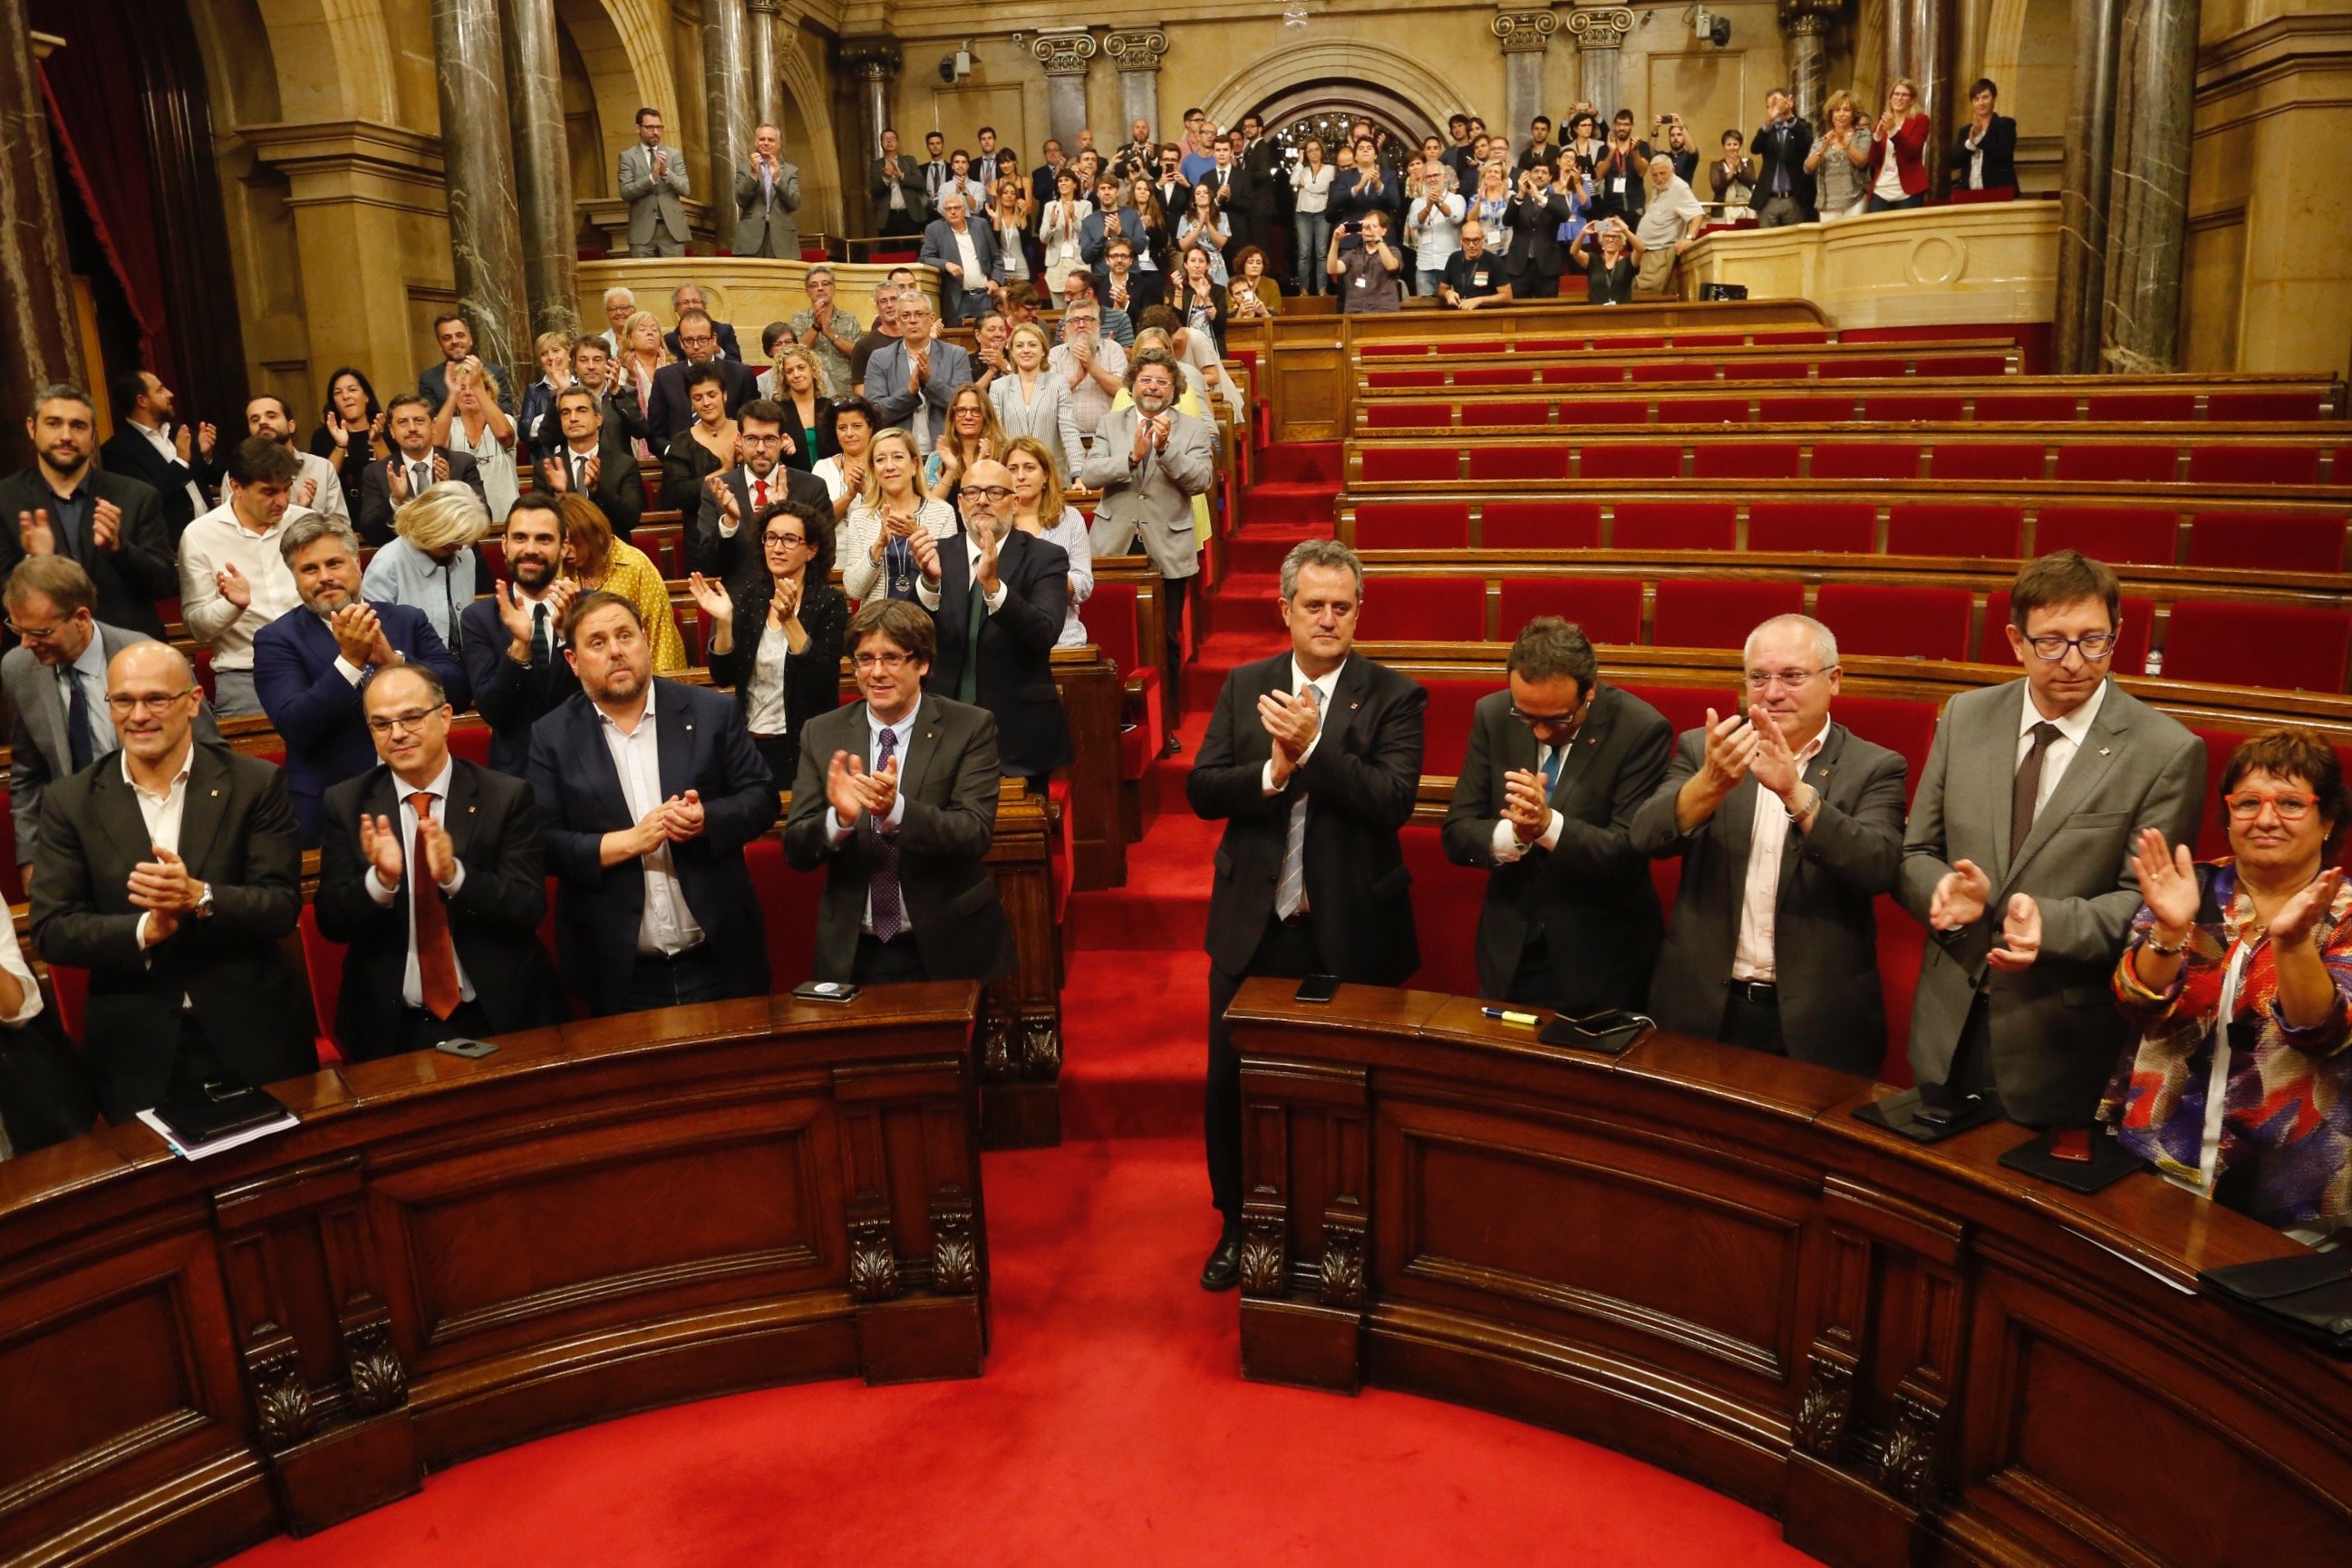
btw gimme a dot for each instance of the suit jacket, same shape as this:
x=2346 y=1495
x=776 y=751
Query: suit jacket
x=2056 y=1033
x=715 y=555
x=493 y=916
x=764 y=225
x=376 y=505
x=889 y=384
x=2000 y=155
x=1358 y=783
x=144 y=566
x=704 y=747
x=653 y=203
x=39 y=750
x=1791 y=141
x=318 y=713
x=963 y=298
x=729 y=345
x=812 y=677
x=1154 y=497
x=910 y=190
x=1590 y=893
x=237 y=834
x=949 y=781
x=1824 y=927
x=669 y=410
x=1908 y=148
x=1014 y=659
x=1534 y=236
x=512 y=697
x=620 y=489
x=131 y=454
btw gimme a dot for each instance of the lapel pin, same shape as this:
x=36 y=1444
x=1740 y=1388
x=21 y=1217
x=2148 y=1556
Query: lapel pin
x=216 y=794
x=2103 y=751
x=1353 y=706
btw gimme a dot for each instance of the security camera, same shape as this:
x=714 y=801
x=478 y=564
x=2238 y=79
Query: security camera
x=1711 y=28
x=954 y=68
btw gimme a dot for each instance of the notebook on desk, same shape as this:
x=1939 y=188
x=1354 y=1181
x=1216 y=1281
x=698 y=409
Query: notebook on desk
x=216 y=1117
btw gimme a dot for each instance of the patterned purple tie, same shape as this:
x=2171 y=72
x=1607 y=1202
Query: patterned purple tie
x=882 y=884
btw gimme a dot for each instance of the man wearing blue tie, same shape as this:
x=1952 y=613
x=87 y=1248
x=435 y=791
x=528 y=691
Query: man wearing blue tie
x=1557 y=766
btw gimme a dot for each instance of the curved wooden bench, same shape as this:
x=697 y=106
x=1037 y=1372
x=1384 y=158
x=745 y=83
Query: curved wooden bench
x=1643 y=367
x=2042 y=399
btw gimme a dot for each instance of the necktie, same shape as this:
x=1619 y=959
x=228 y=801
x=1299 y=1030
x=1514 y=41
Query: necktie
x=420 y=478
x=975 y=616
x=2029 y=786
x=436 y=958
x=882 y=882
x=542 y=652
x=77 y=737
x=1551 y=769
x=759 y=495
x=1290 y=893
x=579 y=474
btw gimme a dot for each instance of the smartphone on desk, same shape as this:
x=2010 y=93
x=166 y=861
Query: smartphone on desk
x=1317 y=988
x=826 y=991
x=472 y=1050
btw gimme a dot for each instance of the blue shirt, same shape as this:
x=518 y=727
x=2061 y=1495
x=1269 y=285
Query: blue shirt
x=403 y=574
x=92 y=666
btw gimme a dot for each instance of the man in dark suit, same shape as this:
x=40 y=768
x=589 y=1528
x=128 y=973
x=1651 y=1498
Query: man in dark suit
x=176 y=464
x=895 y=798
x=1312 y=760
x=668 y=409
x=455 y=340
x=513 y=643
x=2018 y=855
x=1784 y=190
x=1533 y=261
x=996 y=647
x=1557 y=764
x=717 y=546
x=414 y=467
x=311 y=664
x=648 y=790
x=1789 y=826
x=173 y=876
x=456 y=957
x=686 y=297
x=594 y=460
x=66 y=505
x=894 y=186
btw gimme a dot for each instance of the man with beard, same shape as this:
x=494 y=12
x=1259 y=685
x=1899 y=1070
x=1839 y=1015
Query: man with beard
x=176 y=464
x=716 y=546
x=513 y=643
x=457 y=342
x=310 y=664
x=66 y=505
x=826 y=332
x=648 y=790
x=416 y=466
x=594 y=461
x=316 y=486
x=1149 y=461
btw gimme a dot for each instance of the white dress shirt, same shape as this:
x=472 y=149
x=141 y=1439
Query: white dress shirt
x=1760 y=902
x=840 y=831
x=169 y=454
x=217 y=540
x=162 y=814
x=1323 y=688
x=1507 y=847
x=667 y=926
x=412 y=987
x=2061 y=752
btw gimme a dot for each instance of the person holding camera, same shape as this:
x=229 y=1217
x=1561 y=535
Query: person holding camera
x=1618 y=175
x=1609 y=257
x=1674 y=141
x=1362 y=266
x=1533 y=263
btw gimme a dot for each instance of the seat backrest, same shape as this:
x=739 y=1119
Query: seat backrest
x=2293 y=542
x=1383 y=413
x=1412 y=525
x=2237 y=463
x=1904 y=724
x=1745 y=461
x=1519 y=462
x=1675 y=525
x=788 y=909
x=2007 y=461
x=1609 y=609
x=1891 y=621
x=1971 y=531
x=1110 y=614
x=1409 y=608
x=1446 y=723
x=2296 y=647
x=70 y=989
x=1532 y=412
x=2154 y=463
x=1631 y=460
x=1408 y=463
x=1540 y=525
x=323 y=965
x=1834 y=528
x=1880 y=460
x=1695 y=612
x=2141 y=536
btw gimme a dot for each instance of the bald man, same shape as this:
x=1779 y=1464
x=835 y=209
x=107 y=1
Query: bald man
x=171 y=872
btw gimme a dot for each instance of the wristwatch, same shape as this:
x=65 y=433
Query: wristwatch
x=204 y=910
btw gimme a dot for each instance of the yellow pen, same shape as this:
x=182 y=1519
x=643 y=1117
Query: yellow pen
x=1505 y=1015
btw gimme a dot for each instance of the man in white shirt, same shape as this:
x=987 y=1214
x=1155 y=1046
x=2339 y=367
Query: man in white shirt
x=317 y=487
x=145 y=446
x=232 y=581
x=1669 y=226
x=1433 y=226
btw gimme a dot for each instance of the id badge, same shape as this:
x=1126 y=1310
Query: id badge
x=1478 y=278
x=1617 y=185
x=1363 y=282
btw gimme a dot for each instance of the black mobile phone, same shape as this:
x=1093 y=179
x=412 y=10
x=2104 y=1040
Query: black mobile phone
x=1940 y=1104
x=826 y=991
x=470 y=1049
x=1317 y=988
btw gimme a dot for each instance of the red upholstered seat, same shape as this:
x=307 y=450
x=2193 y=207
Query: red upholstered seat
x=1832 y=367
x=1703 y=411
x=788 y=909
x=1716 y=460
x=1904 y=724
x=2296 y=541
x=2264 y=407
x=1969 y=364
x=1685 y=707
x=1412 y=525
x=322 y=966
x=1607 y=411
x=1385 y=464
x=1423 y=609
x=1671 y=371
x=202 y=656
x=1470 y=348
x=2242 y=465
x=1445 y=898
x=2144 y=408
x=1765 y=370
x=1985 y=460
x=1973 y=531
x=1943 y=408
x=1540 y=525
x=1675 y=525
x=1445 y=725
x=1380 y=414
x=1805 y=408
x=2027 y=407
x=1893 y=622
x=1834 y=528
x=1519 y=462
x=1506 y=413
x=2131 y=645
x=2287 y=646
x=1806 y=335
x=1607 y=608
x=1600 y=374
x=70 y=989
x=1111 y=620
x=1659 y=461
x=1496 y=375
x=1709 y=340
x=494 y=556
x=471 y=742
x=1553 y=345
x=1628 y=342
x=1394 y=380
x=1695 y=612
x=2142 y=536
x=2111 y=462
x=1865 y=460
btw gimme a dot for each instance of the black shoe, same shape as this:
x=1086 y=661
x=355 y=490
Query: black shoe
x=1173 y=748
x=1223 y=1269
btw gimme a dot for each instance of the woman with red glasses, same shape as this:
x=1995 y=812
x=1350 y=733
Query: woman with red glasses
x=2237 y=972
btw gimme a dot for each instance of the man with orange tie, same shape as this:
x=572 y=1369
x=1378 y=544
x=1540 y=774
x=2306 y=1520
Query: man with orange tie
x=430 y=869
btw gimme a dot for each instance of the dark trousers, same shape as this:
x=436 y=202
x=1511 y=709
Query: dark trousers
x=1973 y=1071
x=1534 y=285
x=883 y=962
x=1535 y=983
x=421 y=1031
x=1751 y=1021
x=694 y=976
x=782 y=756
x=1173 y=592
x=1287 y=951
x=897 y=223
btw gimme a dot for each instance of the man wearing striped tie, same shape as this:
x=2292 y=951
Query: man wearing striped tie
x=1312 y=760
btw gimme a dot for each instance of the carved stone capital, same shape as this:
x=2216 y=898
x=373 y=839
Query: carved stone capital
x=1809 y=18
x=1525 y=32
x=1905 y=1466
x=765 y=8
x=1263 y=1263
x=1136 y=48
x=1822 y=1413
x=1600 y=26
x=281 y=1400
x=1343 y=1265
x=955 y=1258
x=873 y=1266
x=1064 y=51
x=873 y=58
x=379 y=1381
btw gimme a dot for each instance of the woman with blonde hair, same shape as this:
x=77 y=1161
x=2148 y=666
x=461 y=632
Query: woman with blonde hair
x=972 y=435
x=875 y=552
x=1898 y=148
x=541 y=435
x=643 y=352
x=596 y=560
x=804 y=393
x=1038 y=508
x=431 y=563
x=1839 y=156
x=1033 y=402
x=472 y=422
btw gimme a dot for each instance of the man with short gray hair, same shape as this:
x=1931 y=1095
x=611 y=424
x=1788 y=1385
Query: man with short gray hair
x=1789 y=827
x=1149 y=461
x=1669 y=226
x=687 y=299
x=620 y=304
x=826 y=331
x=767 y=195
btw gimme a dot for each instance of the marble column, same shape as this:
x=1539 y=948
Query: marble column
x=1526 y=38
x=726 y=114
x=873 y=62
x=38 y=342
x=1919 y=44
x=1806 y=25
x=1600 y=34
x=767 y=76
x=1137 y=52
x=2148 y=190
x=2084 y=182
x=542 y=162
x=1065 y=52
x=485 y=229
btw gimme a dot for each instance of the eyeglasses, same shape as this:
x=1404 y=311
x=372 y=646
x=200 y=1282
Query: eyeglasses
x=782 y=541
x=36 y=634
x=2093 y=647
x=1532 y=721
x=881 y=660
x=392 y=724
x=750 y=440
x=1787 y=679
x=155 y=701
x=2248 y=804
x=990 y=492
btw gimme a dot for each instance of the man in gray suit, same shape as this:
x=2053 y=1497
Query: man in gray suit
x=911 y=382
x=963 y=248
x=654 y=184
x=897 y=192
x=55 y=679
x=2018 y=858
x=1150 y=460
x=767 y=195
x=1789 y=826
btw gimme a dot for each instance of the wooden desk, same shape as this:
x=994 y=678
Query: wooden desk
x=1694 y=1254
x=450 y=1256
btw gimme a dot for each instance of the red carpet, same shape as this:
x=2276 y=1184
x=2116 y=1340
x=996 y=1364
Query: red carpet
x=1112 y=1424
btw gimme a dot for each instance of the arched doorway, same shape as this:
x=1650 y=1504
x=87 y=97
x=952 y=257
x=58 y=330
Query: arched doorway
x=1325 y=108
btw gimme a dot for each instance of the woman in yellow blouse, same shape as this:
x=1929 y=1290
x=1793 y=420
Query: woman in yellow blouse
x=597 y=560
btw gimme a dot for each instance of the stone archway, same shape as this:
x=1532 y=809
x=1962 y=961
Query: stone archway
x=1396 y=88
x=1324 y=109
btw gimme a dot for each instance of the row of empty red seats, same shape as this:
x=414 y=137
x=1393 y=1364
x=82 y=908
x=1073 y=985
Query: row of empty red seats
x=1908 y=400
x=1604 y=343
x=1602 y=370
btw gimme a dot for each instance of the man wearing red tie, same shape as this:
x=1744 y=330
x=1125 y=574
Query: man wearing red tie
x=766 y=477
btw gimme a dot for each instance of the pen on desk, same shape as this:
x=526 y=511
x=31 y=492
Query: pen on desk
x=1507 y=1015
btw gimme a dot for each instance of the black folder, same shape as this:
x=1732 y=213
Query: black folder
x=2309 y=1294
